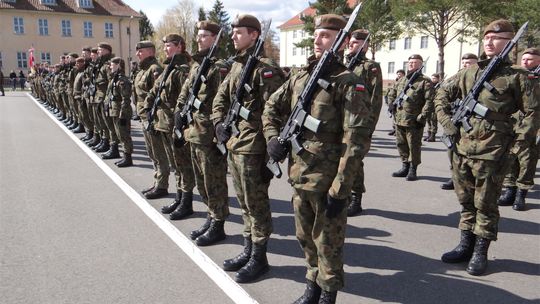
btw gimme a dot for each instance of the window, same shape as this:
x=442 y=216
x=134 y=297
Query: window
x=294 y=51
x=303 y=33
x=66 y=28
x=48 y=2
x=46 y=57
x=423 y=42
x=43 y=25
x=405 y=64
x=303 y=51
x=87 y=27
x=18 y=25
x=85 y=3
x=392 y=44
x=391 y=67
x=407 y=43
x=108 y=30
x=294 y=34
x=21 y=60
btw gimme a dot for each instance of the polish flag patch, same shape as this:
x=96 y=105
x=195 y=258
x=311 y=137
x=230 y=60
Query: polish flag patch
x=268 y=74
x=359 y=87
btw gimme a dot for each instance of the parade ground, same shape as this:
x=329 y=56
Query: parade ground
x=76 y=229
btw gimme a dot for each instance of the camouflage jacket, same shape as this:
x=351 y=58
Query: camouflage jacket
x=72 y=72
x=370 y=74
x=120 y=96
x=201 y=131
x=419 y=101
x=490 y=139
x=102 y=78
x=517 y=118
x=164 y=120
x=78 y=83
x=333 y=156
x=87 y=78
x=149 y=71
x=266 y=79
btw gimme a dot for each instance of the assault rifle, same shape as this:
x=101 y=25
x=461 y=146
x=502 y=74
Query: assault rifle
x=192 y=101
x=237 y=108
x=91 y=89
x=398 y=102
x=358 y=55
x=470 y=106
x=110 y=94
x=157 y=101
x=536 y=71
x=300 y=119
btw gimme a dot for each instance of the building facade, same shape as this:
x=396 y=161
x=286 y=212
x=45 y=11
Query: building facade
x=53 y=28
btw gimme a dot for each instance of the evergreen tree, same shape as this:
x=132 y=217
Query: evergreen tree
x=202 y=17
x=146 y=29
x=221 y=17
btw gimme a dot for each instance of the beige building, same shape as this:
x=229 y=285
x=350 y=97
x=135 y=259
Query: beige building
x=57 y=27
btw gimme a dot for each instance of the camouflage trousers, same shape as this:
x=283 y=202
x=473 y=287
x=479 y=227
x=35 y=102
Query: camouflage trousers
x=478 y=186
x=321 y=238
x=85 y=115
x=99 y=123
x=109 y=126
x=431 y=122
x=251 y=183
x=124 y=134
x=210 y=170
x=359 y=185
x=409 y=144
x=158 y=156
x=185 y=179
x=522 y=167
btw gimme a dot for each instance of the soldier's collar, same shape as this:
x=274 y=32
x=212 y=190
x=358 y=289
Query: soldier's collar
x=146 y=62
x=243 y=55
x=199 y=56
x=179 y=59
x=484 y=60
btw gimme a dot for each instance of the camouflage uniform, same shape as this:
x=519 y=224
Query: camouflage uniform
x=149 y=70
x=247 y=151
x=102 y=82
x=328 y=166
x=209 y=165
x=409 y=126
x=120 y=109
x=78 y=95
x=86 y=114
x=482 y=154
x=164 y=121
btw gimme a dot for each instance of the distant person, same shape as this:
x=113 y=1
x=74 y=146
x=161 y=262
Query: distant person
x=2 y=83
x=22 y=79
x=13 y=77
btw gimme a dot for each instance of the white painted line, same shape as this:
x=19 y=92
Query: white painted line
x=220 y=277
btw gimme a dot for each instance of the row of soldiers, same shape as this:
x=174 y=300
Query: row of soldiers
x=185 y=114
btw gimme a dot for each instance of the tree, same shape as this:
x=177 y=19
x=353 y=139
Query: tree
x=221 y=17
x=202 y=17
x=376 y=16
x=146 y=29
x=271 y=48
x=178 y=19
x=442 y=20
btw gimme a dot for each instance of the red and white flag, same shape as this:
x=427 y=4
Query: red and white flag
x=31 y=57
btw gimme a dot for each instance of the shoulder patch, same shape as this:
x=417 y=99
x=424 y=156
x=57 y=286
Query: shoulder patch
x=374 y=70
x=268 y=74
x=359 y=87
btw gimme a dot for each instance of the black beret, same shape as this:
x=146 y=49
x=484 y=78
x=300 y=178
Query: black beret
x=173 y=37
x=416 y=56
x=469 y=56
x=144 y=44
x=246 y=20
x=105 y=45
x=80 y=60
x=209 y=26
x=74 y=55
x=94 y=50
x=117 y=60
x=86 y=49
x=360 y=34
x=499 y=26
x=330 y=22
x=532 y=51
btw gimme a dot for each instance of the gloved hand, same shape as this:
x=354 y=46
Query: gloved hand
x=450 y=129
x=122 y=122
x=334 y=206
x=421 y=119
x=276 y=150
x=222 y=134
x=179 y=120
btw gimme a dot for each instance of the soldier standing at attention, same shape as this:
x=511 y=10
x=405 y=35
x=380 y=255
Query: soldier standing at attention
x=93 y=106
x=209 y=165
x=399 y=74
x=247 y=151
x=102 y=78
x=78 y=81
x=467 y=60
x=323 y=175
x=370 y=75
x=149 y=71
x=482 y=154
x=120 y=90
x=525 y=152
x=162 y=125
x=86 y=117
x=431 y=119
x=411 y=117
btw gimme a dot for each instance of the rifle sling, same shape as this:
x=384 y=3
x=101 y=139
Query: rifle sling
x=495 y=116
x=324 y=137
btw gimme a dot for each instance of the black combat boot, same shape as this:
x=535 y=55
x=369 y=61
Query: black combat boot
x=79 y=129
x=196 y=233
x=431 y=137
x=355 y=206
x=146 y=190
x=411 y=176
x=95 y=141
x=89 y=134
x=103 y=147
x=311 y=294
x=112 y=152
x=427 y=136
x=172 y=206
x=478 y=263
x=213 y=234
x=519 y=203
x=240 y=260
x=448 y=185
x=463 y=250
x=403 y=171
x=328 y=297
x=156 y=193
x=508 y=196
x=126 y=161
x=255 y=267
x=185 y=208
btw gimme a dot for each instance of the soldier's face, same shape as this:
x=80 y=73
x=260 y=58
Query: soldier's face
x=242 y=38
x=144 y=53
x=414 y=64
x=102 y=51
x=494 y=43
x=434 y=79
x=113 y=67
x=93 y=56
x=530 y=61
x=79 y=65
x=85 y=54
x=355 y=44
x=323 y=40
x=465 y=63
x=399 y=75
x=171 y=49
x=205 y=40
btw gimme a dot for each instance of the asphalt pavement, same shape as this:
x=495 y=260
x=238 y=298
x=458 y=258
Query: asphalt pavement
x=75 y=229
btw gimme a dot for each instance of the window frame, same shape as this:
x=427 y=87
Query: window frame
x=65 y=27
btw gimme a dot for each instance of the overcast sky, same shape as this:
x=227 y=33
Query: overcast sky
x=279 y=10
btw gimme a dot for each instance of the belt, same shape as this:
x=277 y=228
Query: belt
x=324 y=137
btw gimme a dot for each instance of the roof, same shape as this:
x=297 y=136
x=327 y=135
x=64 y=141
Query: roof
x=296 y=21
x=101 y=7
